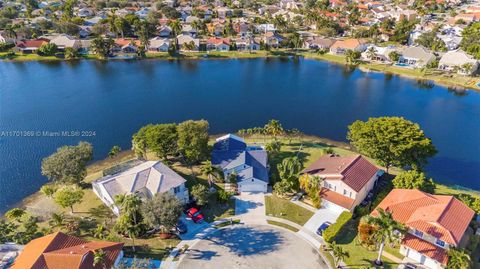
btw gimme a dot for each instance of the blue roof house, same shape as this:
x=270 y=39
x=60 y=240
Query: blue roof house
x=233 y=155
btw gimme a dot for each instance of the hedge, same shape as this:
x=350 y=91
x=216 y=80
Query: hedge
x=331 y=232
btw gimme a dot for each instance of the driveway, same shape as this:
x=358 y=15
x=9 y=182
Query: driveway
x=250 y=207
x=322 y=215
x=252 y=246
x=192 y=228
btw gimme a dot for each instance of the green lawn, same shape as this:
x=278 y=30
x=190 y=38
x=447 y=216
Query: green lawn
x=282 y=208
x=283 y=225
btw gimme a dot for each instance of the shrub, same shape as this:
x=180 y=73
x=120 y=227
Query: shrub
x=224 y=196
x=47 y=49
x=331 y=232
x=6 y=46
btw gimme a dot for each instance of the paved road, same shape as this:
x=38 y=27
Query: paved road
x=252 y=246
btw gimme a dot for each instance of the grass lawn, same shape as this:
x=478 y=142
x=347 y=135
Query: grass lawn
x=360 y=257
x=282 y=208
x=283 y=225
x=152 y=248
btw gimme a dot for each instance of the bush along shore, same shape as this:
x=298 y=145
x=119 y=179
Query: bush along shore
x=428 y=77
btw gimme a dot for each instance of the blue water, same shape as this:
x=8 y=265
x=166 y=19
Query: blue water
x=114 y=99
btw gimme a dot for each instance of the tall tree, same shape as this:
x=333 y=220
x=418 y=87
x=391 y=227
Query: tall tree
x=386 y=230
x=392 y=141
x=176 y=27
x=193 y=140
x=68 y=163
x=289 y=170
x=130 y=221
x=114 y=151
x=68 y=196
x=163 y=210
x=210 y=171
x=200 y=194
x=413 y=179
x=274 y=128
x=338 y=253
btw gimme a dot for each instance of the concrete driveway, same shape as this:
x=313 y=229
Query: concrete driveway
x=192 y=228
x=250 y=207
x=322 y=215
x=249 y=247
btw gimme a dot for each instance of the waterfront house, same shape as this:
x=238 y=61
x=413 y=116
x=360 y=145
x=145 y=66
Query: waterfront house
x=340 y=47
x=30 y=46
x=219 y=44
x=158 y=44
x=318 y=43
x=345 y=181
x=381 y=54
x=126 y=45
x=146 y=179
x=66 y=41
x=244 y=44
x=458 y=61
x=59 y=251
x=435 y=224
x=416 y=57
x=232 y=155
x=272 y=39
x=188 y=39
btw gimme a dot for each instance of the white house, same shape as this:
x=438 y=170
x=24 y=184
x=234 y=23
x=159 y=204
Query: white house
x=458 y=60
x=66 y=41
x=231 y=154
x=417 y=57
x=187 y=39
x=346 y=181
x=145 y=180
x=159 y=44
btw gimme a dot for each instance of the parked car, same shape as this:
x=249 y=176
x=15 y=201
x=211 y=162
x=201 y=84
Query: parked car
x=323 y=227
x=195 y=214
x=181 y=227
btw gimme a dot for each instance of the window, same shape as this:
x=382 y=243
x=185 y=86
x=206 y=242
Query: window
x=176 y=190
x=344 y=192
x=440 y=243
x=418 y=233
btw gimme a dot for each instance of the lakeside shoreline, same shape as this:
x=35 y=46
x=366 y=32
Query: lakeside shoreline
x=453 y=81
x=100 y=165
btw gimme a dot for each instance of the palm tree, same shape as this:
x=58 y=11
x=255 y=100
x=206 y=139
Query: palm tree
x=176 y=27
x=57 y=220
x=11 y=31
x=99 y=258
x=386 y=230
x=197 y=25
x=210 y=171
x=371 y=53
x=274 y=128
x=338 y=253
x=458 y=259
x=296 y=41
x=99 y=232
x=130 y=206
x=352 y=56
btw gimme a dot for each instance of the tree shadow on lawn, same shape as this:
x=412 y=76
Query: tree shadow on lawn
x=367 y=263
x=247 y=241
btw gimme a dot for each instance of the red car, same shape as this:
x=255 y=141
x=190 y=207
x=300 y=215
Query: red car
x=195 y=215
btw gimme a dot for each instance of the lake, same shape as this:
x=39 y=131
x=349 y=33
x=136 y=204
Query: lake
x=114 y=99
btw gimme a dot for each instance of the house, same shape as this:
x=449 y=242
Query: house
x=31 y=46
x=126 y=45
x=231 y=154
x=158 y=44
x=435 y=224
x=224 y=12
x=58 y=251
x=416 y=57
x=220 y=44
x=66 y=41
x=458 y=60
x=381 y=54
x=146 y=179
x=244 y=43
x=187 y=39
x=346 y=181
x=187 y=29
x=165 y=31
x=272 y=39
x=4 y=38
x=342 y=46
x=318 y=43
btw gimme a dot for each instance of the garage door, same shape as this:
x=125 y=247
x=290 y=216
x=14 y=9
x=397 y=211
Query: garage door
x=252 y=187
x=332 y=206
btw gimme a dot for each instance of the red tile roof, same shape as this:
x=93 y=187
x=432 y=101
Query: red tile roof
x=58 y=250
x=355 y=171
x=426 y=248
x=34 y=43
x=218 y=41
x=441 y=216
x=337 y=198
